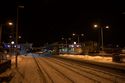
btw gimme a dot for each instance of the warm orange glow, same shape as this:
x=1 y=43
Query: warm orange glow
x=95 y=25
x=10 y=23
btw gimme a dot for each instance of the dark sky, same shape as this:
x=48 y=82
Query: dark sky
x=47 y=20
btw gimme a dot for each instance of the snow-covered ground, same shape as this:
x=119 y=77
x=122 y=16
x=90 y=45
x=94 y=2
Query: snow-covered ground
x=92 y=58
x=87 y=57
x=51 y=70
x=25 y=72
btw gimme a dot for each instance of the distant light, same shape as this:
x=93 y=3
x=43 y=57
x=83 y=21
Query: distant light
x=62 y=38
x=117 y=45
x=107 y=27
x=8 y=46
x=82 y=34
x=12 y=42
x=10 y=23
x=10 y=36
x=77 y=45
x=19 y=36
x=95 y=25
x=74 y=42
x=72 y=46
x=21 y=6
x=69 y=38
x=15 y=46
x=73 y=34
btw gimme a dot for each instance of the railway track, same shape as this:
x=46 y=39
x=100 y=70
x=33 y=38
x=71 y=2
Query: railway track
x=58 y=66
x=91 y=72
x=45 y=76
x=60 y=74
x=52 y=64
x=42 y=72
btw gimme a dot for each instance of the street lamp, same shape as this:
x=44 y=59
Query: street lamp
x=1 y=26
x=10 y=23
x=102 y=39
x=12 y=42
x=17 y=20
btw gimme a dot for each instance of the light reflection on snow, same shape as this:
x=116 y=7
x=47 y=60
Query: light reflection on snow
x=87 y=57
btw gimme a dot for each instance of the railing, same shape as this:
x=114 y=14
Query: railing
x=5 y=62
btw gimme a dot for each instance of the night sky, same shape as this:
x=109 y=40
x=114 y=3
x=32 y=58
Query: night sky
x=46 y=21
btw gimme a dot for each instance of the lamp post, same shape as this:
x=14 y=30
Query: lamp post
x=0 y=33
x=102 y=39
x=17 y=21
x=11 y=37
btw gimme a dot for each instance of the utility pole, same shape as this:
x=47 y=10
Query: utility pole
x=17 y=21
x=102 y=38
x=0 y=33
